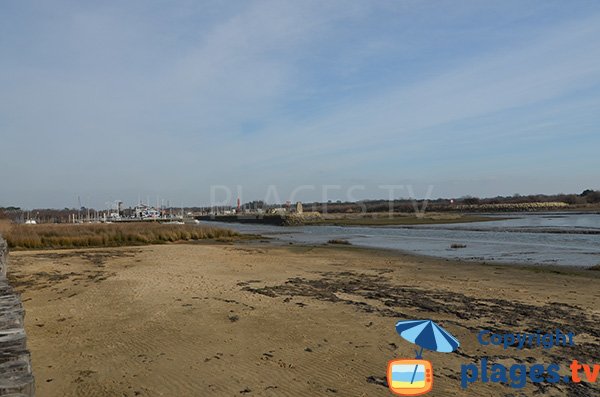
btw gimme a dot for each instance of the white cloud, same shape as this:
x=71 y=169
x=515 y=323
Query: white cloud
x=559 y=62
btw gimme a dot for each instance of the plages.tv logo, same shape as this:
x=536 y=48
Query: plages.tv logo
x=413 y=377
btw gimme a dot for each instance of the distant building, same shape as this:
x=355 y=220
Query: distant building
x=144 y=211
x=278 y=211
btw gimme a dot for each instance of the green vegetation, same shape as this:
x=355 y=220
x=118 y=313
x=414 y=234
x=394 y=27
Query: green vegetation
x=589 y=199
x=105 y=235
x=385 y=220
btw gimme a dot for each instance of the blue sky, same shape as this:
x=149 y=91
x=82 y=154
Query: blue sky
x=120 y=100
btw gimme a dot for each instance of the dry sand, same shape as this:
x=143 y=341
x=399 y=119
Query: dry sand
x=259 y=320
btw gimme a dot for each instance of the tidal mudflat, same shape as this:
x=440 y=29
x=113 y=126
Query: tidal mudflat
x=256 y=319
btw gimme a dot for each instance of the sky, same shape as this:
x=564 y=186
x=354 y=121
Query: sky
x=200 y=101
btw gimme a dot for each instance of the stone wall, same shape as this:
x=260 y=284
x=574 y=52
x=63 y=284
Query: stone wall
x=3 y=258
x=16 y=378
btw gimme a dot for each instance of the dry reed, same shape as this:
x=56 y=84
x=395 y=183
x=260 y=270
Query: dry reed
x=106 y=235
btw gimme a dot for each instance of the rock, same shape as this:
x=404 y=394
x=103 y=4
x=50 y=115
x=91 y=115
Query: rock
x=16 y=377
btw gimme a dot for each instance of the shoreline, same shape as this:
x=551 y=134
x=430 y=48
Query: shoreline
x=267 y=241
x=559 y=243
x=401 y=254
x=382 y=219
x=350 y=220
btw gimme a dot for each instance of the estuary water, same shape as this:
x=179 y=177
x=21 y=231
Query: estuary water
x=567 y=239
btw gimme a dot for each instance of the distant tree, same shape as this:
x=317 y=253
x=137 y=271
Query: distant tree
x=471 y=200
x=586 y=192
x=570 y=199
x=11 y=208
x=593 y=197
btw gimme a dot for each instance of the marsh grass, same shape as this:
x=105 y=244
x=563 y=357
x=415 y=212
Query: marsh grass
x=106 y=235
x=5 y=226
x=384 y=219
x=339 y=241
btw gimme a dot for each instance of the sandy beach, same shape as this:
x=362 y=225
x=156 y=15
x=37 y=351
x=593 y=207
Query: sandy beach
x=255 y=319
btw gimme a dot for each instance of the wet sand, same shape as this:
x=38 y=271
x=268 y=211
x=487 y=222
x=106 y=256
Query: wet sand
x=253 y=319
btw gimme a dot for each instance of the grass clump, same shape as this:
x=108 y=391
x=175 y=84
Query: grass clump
x=339 y=241
x=106 y=235
x=456 y=246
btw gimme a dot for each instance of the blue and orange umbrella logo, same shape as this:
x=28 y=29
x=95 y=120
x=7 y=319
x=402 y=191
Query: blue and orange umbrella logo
x=415 y=377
